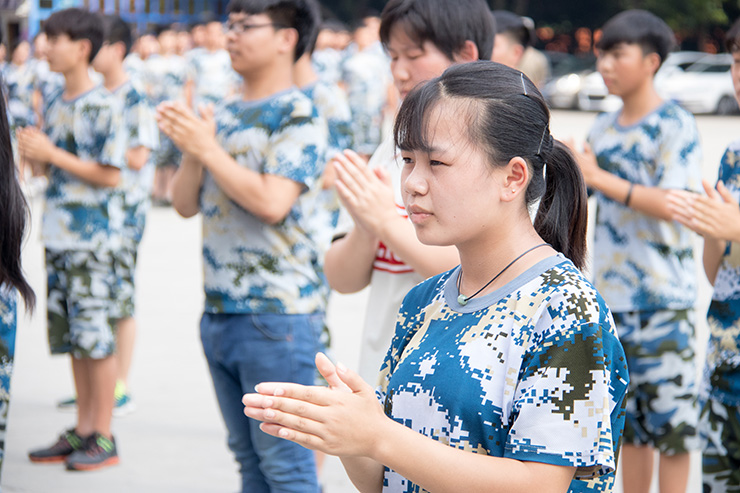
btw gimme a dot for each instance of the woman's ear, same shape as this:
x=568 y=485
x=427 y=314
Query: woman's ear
x=468 y=53
x=515 y=179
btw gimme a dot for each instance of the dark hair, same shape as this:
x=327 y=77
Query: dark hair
x=638 y=27
x=518 y=28
x=732 y=38
x=14 y=217
x=301 y=15
x=447 y=25
x=78 y=24
x=117 y=31
x=507 y=117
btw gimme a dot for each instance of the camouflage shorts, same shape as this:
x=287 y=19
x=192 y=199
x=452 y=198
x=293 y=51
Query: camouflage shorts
x=661 y=404
x=719 y=428
x=125 y=267
x=81 y=305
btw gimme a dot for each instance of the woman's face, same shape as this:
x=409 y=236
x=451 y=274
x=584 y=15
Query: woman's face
x=452 y=194
x=411 y=63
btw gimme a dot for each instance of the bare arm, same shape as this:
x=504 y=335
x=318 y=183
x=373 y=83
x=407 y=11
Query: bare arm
x=186 y=186
x=33 y=144
x=713 y=251
x=348 y=263
x=136 y=157
x=368 y=197
x=351 y=424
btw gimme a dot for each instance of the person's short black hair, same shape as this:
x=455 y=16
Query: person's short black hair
x=163 y=28
x=301 y=15
x=732 y=38
x=78 y=24
x=517 y=27
x=638 y=27
x=445 y=24
x=117 y=31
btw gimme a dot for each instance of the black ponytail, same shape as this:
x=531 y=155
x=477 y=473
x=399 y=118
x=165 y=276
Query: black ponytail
x=14 y=216
x=562 y=215
x=508 y=117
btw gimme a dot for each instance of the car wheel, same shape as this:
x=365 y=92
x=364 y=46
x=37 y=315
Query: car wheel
x=727 y=106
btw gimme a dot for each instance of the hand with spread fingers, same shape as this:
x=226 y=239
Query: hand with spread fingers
x=191 y=134
x=716 y=214
x=34 y=145
x=343 y=419
x=366 y=193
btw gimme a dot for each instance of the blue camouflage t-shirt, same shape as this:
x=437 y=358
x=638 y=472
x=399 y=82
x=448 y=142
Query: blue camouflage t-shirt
x=251 y=266
x=213 y=77
x=533 y=371
x=78 y=215
x=641 y=262
x=141 y=131
x=723 y=353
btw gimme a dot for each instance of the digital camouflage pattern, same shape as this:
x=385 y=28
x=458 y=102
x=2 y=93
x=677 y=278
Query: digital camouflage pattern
x=141 y=131
x=124 y=264
x=662 y=408
x=8 y=321
x=80 y=216
x=640 y=262
x=19 y=85
x=720 y=423
x=366 y=75
x=533 y=371
x=251 y=266
x=331 y=103
x=214 y=79
x=81 y=303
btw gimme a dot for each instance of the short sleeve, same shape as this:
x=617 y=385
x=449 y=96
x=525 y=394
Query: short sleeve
x=568 y=404
x=679 y=153
x=141 y=122
x=110 y=127
x=298 y=146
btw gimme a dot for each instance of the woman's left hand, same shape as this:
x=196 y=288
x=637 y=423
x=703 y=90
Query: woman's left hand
x=342 y=420
x=716 y=214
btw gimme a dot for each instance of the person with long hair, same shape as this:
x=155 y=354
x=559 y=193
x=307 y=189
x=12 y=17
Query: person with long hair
x=14 y=217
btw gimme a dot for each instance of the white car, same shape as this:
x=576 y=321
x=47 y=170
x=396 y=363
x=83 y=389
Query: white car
x=594 y=95
x=705 y=87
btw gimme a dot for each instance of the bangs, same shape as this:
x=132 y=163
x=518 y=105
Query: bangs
x=410 y=130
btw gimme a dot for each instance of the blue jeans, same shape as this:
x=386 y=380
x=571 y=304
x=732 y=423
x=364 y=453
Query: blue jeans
x=243 y=350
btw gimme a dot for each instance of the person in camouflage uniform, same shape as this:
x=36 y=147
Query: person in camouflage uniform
x=716 y=216
x=643 y=262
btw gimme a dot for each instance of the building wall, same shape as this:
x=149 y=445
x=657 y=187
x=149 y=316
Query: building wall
x=141 y=13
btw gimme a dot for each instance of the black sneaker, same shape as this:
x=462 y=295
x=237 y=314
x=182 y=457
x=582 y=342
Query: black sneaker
x=68 y=442
x=98 y=452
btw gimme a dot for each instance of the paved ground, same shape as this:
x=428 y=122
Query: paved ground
x=175 y=442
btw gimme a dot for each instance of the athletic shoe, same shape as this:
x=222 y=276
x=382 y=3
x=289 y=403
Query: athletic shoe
x=98 y=452
x=68 y=442
x=68 y=405
x=124 y=405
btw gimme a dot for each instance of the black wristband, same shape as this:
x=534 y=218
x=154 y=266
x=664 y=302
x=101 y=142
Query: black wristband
x=629 y=195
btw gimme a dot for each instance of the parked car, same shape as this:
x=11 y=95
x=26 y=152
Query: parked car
x=567 y=72
x=594 y=95
x=704 y=87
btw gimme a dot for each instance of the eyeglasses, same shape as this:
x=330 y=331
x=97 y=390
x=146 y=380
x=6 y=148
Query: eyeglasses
x=241 y=27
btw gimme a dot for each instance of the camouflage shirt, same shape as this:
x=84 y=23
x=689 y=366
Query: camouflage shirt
x=251 y=266
x=79 y=215
x=533 y=371
x=641 y=262
x=723 y=354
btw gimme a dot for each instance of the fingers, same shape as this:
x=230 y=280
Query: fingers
x=709 y=189
x=352 y=379
x=305 y=439
x=329 y=372
x=725 y=193
x=319 y=396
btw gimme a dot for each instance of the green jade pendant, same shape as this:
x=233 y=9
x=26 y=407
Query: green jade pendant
x=462 y=299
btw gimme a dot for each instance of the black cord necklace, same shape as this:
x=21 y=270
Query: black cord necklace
x=463 y=300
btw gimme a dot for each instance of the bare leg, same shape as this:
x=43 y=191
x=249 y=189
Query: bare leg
x=673 y=473
x=125 y=338
x=95 y=380
x=637 y=468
